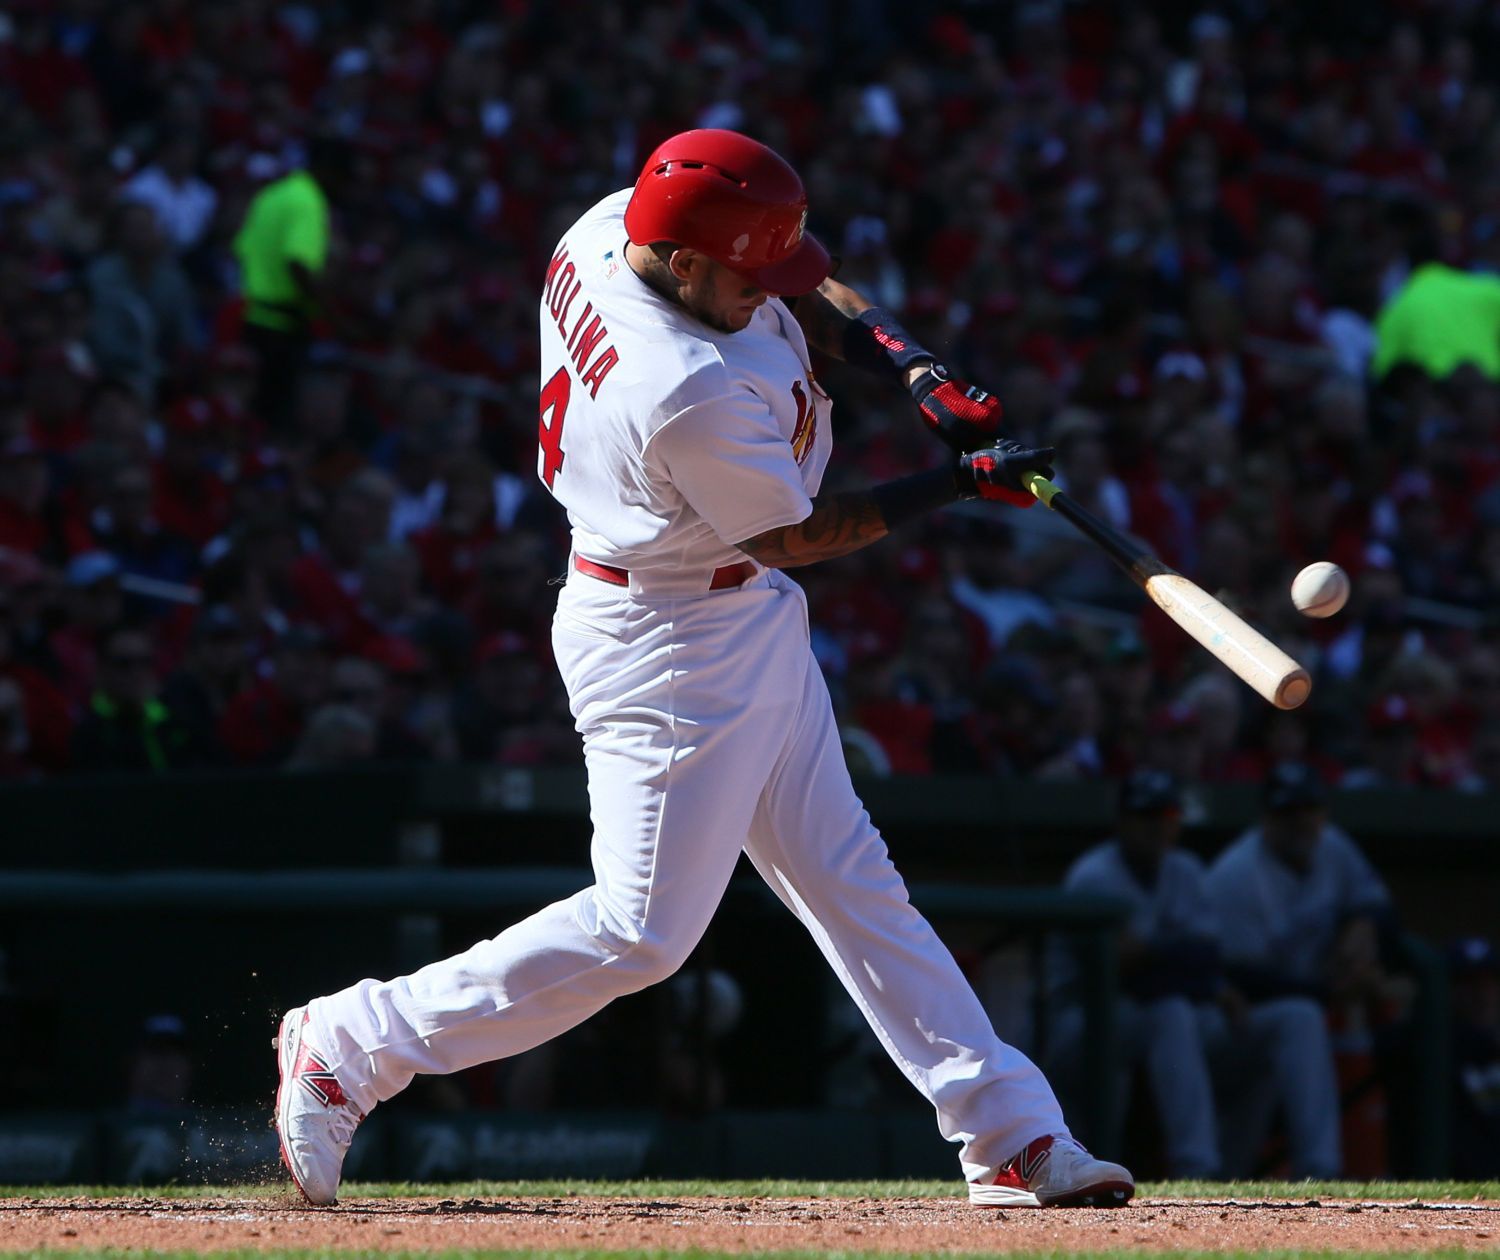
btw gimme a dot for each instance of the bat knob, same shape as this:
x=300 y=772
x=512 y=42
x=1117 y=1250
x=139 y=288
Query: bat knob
x=1039 y=486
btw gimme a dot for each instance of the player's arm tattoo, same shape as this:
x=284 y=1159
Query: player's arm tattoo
x=839 y=524
x=824 y=314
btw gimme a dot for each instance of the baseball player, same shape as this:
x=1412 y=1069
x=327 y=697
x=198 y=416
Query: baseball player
x=1169 y=964
x=1292 y=896
x=683 y=429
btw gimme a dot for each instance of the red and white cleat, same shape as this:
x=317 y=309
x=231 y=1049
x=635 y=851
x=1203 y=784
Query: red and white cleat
x=314 y=1118
x=1054 y=1172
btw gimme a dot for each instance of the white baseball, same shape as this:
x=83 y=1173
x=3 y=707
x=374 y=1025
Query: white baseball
x=1320 y=590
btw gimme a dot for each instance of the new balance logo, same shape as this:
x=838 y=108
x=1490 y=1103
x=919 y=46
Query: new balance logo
x=322 y=1084
x=893 y=344
x=1029 y=1162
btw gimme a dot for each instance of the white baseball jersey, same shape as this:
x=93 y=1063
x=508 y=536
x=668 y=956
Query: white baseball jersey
x=668 y=442
x=1176 y=905
x=1269 y=913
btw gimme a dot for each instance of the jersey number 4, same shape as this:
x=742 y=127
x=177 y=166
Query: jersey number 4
x=554 y=406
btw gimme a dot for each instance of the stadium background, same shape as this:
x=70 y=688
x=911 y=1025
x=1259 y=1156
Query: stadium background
x=1165 y=238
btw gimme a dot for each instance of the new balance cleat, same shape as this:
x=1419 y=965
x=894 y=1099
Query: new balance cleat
x=1054 y=1172
x=315 y=1120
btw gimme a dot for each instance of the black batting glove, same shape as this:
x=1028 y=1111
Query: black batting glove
x=994 y=472
x=963 y=416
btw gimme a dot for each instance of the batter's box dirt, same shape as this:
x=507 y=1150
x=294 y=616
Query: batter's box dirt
x=740 y=1225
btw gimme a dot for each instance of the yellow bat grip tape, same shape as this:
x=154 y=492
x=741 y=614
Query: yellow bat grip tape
x=1039 y=486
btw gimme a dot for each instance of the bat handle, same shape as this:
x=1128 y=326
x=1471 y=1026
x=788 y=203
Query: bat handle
x=1045 y=490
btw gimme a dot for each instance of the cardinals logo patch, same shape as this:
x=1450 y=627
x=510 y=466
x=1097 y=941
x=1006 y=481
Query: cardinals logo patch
x=806 y=431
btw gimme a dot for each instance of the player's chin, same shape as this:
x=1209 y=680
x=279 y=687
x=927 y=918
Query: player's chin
x=732 y=321
x=737 y=318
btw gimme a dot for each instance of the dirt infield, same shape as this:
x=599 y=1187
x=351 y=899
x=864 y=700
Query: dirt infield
x=750 y=1224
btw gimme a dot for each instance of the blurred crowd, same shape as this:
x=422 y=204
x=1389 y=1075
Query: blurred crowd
x=1232 y=261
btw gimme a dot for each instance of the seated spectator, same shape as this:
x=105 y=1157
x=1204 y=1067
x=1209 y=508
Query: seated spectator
x=215 y=669
x=190 y=497
x=127 y=527
x=1126 y=687
x=990 y=581
x=184 y=205
x=322 y=444
x=1391 y=754
x=511 y=571
x=1169 y=966
x=1428 y=684
x=391 y=601
x=262 y=724
x=1077 y=731
x=506 y=714
x=361 y=684
x=127 y=727
x=336 y=735
x=413 y=463
x=93 y=607
x=451 y=547
x=1301 y=914
x=117 y=419
x=1066 y=566
x=926 y=714
x=1168 y=510
x=32 y=519
x=1217 y=700
x=325 y=583
x=59 y=377
x=417 y=698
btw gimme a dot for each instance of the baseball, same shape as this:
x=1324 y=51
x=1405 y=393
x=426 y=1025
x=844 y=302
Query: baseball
x=1320 y=590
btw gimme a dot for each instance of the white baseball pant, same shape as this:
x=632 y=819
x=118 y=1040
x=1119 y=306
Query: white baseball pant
x=707 y=728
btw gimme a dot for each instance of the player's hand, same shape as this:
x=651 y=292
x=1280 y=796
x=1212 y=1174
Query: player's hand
x=964 y=416
x=995 y=472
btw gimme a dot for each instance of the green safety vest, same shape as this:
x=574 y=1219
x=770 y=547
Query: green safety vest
x=287 y=222
x=1440 y=319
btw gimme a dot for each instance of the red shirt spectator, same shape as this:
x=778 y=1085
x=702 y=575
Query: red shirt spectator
x=43 y=75
x=260 y=726
x=450 y=550
x=192 y=500
x=55 y=398
x=32 y=520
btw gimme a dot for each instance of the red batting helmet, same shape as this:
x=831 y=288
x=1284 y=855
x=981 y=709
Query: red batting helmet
x=729 y=197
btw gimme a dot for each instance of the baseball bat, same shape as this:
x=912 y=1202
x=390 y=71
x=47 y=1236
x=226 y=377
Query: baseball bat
x=1244 y=650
